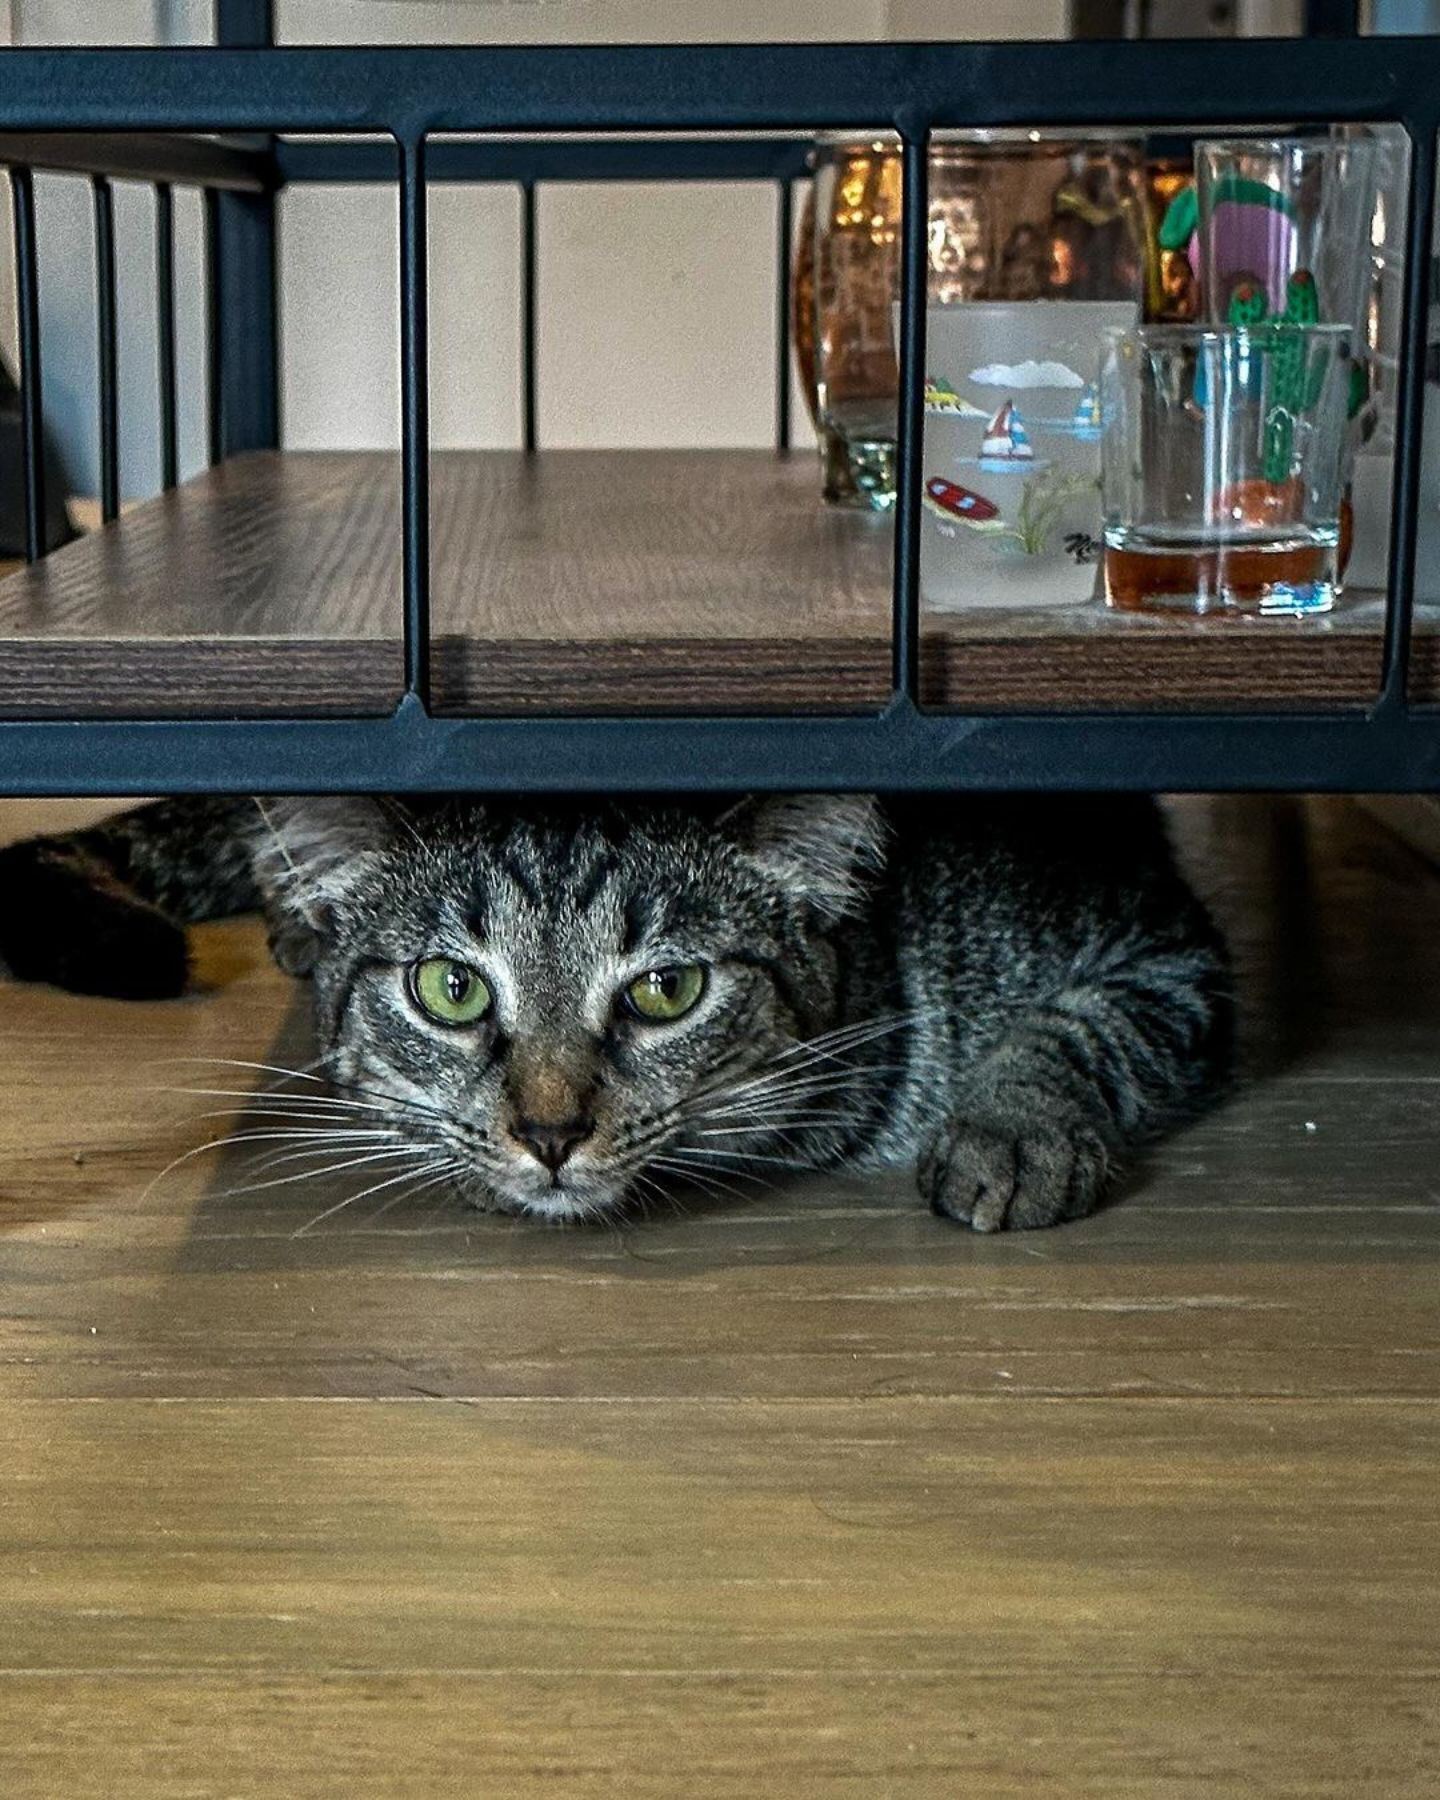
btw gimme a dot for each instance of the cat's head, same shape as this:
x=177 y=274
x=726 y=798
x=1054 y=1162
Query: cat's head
x=550 y=1006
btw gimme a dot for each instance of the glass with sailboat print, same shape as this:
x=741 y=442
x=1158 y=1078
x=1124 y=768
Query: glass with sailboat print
x=1223 y=453
x=1012 y=452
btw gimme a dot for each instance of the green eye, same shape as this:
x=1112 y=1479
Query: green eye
x=448 y=992
x=664 y=994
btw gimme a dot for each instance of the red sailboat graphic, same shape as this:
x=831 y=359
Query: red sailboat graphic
x=1006 y=439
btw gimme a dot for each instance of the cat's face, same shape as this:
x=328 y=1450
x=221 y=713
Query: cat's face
x=553 y=1009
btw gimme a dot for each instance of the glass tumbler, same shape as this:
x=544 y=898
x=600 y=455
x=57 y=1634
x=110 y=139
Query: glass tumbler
x=1223 y=454
x=1284 y=229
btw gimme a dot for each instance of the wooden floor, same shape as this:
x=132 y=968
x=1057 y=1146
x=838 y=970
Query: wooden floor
x=809 y=1495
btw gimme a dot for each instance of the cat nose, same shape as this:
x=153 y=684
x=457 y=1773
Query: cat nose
x=552 y=1142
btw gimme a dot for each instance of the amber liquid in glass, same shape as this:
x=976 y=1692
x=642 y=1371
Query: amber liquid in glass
x=1289 y=574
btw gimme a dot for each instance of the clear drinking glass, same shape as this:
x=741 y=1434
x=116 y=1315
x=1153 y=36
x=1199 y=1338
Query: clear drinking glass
x=1223 y=466
x=1284 y=229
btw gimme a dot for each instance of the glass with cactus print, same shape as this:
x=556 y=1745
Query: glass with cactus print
x=1284 y=229
x=1224 y=457
x=1011 y=474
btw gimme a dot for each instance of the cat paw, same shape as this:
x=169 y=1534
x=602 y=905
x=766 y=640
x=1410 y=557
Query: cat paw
x=997 y=1176
x=68 y=924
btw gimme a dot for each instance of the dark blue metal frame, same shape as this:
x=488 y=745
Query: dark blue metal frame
x=410 y=95
x=107 y=349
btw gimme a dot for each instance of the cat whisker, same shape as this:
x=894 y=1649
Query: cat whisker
x=284 y=1115
x=401 y=818
x=784 y=1082
x=327 y=1130
x=789 y=1123
x=708 y=1182
x=444 y=1173
x=688 y=1150
x=738 y=1103
x=345 y=1097
x=741 y=1104
x=324 y=1142
x=830 y=1069
x=233 y=1138
x=806 y=1110
x=353 y=1199
x=861 y=1031
x=324 y=1172
x=317 y=1142
x=348 y=1088
x=262 y=1068
x=271 y=1097
x=640 y=1187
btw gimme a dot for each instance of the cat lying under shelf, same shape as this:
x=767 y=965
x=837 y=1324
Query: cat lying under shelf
x=555 y=1006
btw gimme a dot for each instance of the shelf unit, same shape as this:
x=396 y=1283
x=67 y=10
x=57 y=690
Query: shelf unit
x=540 y=619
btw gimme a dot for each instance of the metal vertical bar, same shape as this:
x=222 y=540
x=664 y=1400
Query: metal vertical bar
x=1410 y=416
x=32 y=415
x=248 y=339
x=1331 y=18
x=528 y=315
x=214 y=385
x=165 y=316
x=244 y=23
x=784 y=257
x=106 y=353
x=246 y=344
x=415 y=418
x=914 y=266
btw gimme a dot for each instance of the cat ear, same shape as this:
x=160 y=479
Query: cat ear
x=820 y=846
x=308 y=854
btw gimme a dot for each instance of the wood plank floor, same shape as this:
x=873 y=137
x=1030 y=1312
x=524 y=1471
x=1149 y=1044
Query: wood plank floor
x=810 y=1494
x=595 y=581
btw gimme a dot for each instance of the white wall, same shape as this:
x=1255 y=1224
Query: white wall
x=945 y=19
x=579 y=21
x=65 y=231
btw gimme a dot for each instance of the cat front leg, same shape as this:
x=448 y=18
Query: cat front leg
x=1035 y=1128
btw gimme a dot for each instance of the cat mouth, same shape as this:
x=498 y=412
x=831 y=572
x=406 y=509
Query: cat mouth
x=561 y=1207
x=554 y=1203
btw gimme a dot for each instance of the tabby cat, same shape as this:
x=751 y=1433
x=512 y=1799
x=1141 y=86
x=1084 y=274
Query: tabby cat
x=559 y=1005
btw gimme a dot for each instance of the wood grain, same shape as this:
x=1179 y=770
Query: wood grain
x=1089 y=659
x=809 y=1492
x=649 y=580
x=625 y=581
x=268 y=585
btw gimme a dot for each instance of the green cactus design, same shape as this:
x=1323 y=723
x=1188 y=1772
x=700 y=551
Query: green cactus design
x=1302 y=299
x=1248 y=305
x=1297 y=374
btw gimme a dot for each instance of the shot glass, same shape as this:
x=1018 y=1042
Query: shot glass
x=1222 y=459
x=1284 y=229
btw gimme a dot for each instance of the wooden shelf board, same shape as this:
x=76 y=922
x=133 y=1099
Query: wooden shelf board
x=267 y=585
x=653 y=579
x=588 y=580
